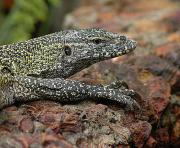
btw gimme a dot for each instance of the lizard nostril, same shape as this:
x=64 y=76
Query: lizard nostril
x=123 y=38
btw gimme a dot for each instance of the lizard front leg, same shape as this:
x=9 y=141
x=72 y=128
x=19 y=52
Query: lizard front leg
x=64 y=90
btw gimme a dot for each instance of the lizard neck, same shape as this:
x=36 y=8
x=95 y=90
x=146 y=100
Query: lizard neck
x=65 y=70
x=70 y=68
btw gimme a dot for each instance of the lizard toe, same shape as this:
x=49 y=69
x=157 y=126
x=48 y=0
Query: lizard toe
x=118 y=85
x=128 y=101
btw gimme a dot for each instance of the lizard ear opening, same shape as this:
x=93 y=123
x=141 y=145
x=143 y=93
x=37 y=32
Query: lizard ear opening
x=5 y=70
x=67 y=50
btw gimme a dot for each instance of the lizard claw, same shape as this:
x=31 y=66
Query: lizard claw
x=129 y=102
x=125 y=97
x=118 y=85
x=130 y=92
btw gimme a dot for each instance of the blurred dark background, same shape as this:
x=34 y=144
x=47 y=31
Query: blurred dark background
x=24 y=19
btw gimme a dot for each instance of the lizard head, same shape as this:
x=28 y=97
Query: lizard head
x=85 y=47
x=96 y=44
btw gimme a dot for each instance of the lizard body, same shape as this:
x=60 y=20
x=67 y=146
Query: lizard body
x=38 y=68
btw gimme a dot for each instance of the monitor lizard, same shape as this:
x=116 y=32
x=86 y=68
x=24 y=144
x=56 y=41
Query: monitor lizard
x=38 y=68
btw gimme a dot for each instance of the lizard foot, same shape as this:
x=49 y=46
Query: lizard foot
x=125 y=97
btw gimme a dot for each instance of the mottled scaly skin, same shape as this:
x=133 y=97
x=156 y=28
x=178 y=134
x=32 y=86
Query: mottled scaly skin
x=38 y=68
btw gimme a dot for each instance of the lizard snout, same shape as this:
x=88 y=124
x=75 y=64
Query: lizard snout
x=131 y=44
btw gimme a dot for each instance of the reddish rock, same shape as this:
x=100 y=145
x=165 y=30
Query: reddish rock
x=176 y=131
x=155 y=65
x=174 y=37
x=173 y=21
x=7 y=141
x=4 y=130
x=55 y=141
x=151 y=143
x=70 y=123
x=95 y=111
x=140 y=132
x=48 y=118
x=26 y=140
x=123 y=146
x=26 y=125
x=158 y=95
x=162 y=136
x=170 y=52
x=11 y=109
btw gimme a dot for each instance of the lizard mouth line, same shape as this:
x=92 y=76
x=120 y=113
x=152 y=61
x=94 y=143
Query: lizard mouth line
x=119 y=50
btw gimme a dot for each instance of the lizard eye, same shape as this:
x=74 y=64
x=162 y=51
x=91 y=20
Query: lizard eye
x=67 y=50
x=97 y=41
